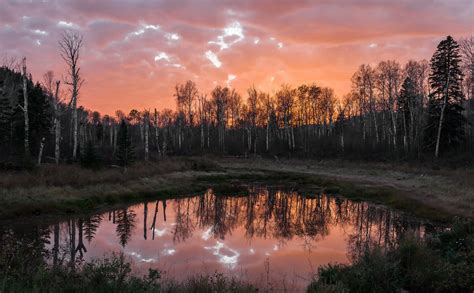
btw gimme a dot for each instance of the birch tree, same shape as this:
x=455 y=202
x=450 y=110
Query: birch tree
x=24 y=108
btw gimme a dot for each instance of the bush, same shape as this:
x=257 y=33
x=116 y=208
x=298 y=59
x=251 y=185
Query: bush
x=443 y=263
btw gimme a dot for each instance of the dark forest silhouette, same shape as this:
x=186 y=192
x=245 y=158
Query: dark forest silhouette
x=420 y=109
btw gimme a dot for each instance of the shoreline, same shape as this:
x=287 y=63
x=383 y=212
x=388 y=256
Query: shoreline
x=425 y=195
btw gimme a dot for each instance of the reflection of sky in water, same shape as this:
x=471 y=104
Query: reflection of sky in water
x=255 y=238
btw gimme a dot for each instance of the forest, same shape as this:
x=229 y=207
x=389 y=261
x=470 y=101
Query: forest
x=394 y=112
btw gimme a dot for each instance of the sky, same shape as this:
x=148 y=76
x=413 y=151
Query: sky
x=136 y=51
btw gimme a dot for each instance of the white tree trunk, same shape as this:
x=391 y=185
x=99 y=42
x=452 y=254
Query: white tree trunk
x=57 y=124
x=40 y=153
x=25 y=110
x=441 y=118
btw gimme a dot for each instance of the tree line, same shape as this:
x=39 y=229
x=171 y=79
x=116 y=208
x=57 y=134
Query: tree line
x=411 y=111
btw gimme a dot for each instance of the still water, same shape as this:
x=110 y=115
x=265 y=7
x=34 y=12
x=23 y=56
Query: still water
x=270 y=237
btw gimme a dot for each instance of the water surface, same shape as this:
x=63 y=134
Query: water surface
x=270 y=237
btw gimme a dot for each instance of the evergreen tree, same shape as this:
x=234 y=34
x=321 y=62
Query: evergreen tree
x=90 y=158
x=445 y=126
x=6 y=113
x=40 y=116
x=124 y=152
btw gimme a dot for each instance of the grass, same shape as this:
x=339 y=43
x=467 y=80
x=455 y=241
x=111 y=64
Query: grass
x=441 y=263
x=112 y=273
x=66 y=189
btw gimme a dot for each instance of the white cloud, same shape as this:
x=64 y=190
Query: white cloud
x=40 y=32
x=280 y=45
x=373 y=45
x=256 y=41
x=230 y=78
x=151 y=27
x=172 y=36
x=213 y=58
x=234 y=29
x=142 y=29
x=162 y=56
x=69 y=25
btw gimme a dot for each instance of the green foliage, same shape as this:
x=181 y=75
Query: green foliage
x=124 y=154
x=443 y=264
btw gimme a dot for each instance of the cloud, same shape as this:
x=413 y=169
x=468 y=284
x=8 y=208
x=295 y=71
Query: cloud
x=213 y=58
x=265 y=42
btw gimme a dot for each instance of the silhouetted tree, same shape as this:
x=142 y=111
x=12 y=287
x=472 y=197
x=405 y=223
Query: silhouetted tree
x=445 y=122
x=124 y=154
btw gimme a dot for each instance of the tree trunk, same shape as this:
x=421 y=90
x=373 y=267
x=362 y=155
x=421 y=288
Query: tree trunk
x=74 y=131
x=40 y=152
x=441 y=118
x=25 y=110
x=267 y=134
x=147 y=125
x=202 y=135
x=57 y=140
x=57 y=124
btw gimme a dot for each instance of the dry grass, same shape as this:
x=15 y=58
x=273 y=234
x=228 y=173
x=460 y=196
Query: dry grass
x=69 y=188
x=76 y=176
x=449 y=190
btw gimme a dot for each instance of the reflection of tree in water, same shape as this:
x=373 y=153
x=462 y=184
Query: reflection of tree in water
x=184 y=227
x=264 y=213
x=91 y=224
x=125 y=219
x=284 y=215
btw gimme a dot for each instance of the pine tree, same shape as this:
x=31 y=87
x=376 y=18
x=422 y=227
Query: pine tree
x=6 y=113
x=90 y=158
x=445 y=126
x=124 y=152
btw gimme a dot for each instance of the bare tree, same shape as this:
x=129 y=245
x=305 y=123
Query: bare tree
x=70 y=45
x=24 y=108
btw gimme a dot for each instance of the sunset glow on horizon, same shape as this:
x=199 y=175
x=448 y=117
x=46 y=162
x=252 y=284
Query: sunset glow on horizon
x=135 y=52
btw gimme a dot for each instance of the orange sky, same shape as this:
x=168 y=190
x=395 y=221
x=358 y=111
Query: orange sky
x=136 y=50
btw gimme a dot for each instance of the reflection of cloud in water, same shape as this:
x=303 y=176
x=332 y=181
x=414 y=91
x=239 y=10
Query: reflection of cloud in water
x=140 y=258
x=159 y=232
x=168 y=251
x=207 y=234
x=229 y=260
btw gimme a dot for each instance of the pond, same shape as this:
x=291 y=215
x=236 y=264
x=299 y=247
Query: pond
x=269 y=237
